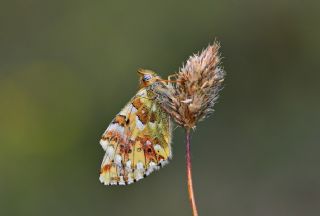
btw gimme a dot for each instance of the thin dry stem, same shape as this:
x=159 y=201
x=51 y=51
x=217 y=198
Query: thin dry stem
x=189 y=175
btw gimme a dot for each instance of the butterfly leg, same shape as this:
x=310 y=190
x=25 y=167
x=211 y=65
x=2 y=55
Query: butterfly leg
x=172 y=75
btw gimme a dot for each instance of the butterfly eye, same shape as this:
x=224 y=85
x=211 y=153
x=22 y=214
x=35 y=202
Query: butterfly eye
x=147 y=77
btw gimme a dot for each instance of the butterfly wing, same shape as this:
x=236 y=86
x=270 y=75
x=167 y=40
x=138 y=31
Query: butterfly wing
x=137 y=142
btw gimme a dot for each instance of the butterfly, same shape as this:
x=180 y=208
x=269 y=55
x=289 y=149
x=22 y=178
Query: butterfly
x=138 y=140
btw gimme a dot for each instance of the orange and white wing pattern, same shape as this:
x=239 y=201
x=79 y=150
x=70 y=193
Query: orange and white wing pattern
x=137 y=142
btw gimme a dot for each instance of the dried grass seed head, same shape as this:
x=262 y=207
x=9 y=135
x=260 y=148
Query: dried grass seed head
x=197 y=89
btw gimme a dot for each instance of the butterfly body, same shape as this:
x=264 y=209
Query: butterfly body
x=138 y=140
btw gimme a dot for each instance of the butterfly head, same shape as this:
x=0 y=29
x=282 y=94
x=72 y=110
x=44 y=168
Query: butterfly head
x=147 y=77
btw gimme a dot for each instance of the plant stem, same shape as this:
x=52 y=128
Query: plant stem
x=189 y=175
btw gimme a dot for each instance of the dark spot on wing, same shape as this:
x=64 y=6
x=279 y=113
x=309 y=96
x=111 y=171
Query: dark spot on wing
x=137 y=103
x=120 y=119
x=143 y=115
x=153 y=117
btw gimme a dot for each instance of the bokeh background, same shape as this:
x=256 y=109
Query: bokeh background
x=67 y=67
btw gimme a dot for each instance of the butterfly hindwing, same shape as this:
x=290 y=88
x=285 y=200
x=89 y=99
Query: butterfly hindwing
x=137 y=142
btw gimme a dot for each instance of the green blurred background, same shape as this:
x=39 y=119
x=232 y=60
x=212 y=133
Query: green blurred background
x=67 y=67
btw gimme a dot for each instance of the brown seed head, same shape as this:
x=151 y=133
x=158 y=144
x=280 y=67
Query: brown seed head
x=197 y=88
